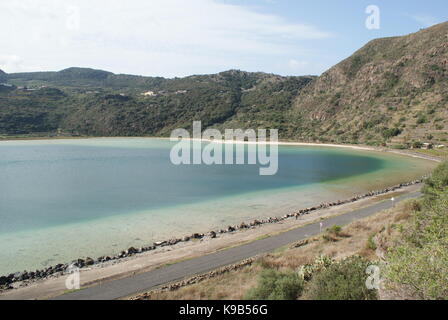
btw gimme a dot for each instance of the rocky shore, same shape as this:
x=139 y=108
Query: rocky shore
x=23 y=278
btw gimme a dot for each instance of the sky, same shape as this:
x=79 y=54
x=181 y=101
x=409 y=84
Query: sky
x=176 y=38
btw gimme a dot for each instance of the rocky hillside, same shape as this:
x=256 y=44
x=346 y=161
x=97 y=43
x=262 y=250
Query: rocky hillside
x=392 y=90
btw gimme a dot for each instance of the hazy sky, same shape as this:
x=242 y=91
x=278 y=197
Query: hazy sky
x=183 y=37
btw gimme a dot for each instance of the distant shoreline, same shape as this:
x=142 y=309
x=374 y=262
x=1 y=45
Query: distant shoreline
x=407 y=153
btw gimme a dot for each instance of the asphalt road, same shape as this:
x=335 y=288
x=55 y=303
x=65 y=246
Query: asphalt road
x=125 y=287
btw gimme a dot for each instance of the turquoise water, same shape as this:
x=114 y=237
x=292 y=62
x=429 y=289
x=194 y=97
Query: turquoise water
x=60 y=200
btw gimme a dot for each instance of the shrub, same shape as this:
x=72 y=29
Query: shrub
x=422 y=120
x=307 y=271
x=419 y=261
x=336 y=230
x=390 y=133
x=438 y=182
x=275 y=285
x=333 y=233
x=345 y=280
x=371 y=243
x=417 y=145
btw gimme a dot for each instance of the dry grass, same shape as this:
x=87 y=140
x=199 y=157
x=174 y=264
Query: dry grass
x=230 y=286
x=353 y=239
x=442 y=153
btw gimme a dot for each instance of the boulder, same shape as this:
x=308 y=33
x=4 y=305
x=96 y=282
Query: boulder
x=4 y=281
x=89 y=261
x=243 y=226
x=173 y=242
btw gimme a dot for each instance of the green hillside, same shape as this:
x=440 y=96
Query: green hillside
x=92 y=102
x=392 y=91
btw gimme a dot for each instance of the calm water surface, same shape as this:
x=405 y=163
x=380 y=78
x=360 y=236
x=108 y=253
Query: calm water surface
x=60 y=200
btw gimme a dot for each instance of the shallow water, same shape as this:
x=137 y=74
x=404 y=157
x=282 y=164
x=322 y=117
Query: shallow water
x=64 y=199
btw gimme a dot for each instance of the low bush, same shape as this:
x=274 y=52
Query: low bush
x=344 y=280
x=419 y=260
x=438 y=182
x=275 y=285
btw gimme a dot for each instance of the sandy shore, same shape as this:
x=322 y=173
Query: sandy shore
x=47 y=288
x=407 y=153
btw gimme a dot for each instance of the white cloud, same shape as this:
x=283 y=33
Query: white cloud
x=157 y=37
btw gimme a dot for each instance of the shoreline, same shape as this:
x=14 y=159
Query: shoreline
x=407 y=152
x=23 y=280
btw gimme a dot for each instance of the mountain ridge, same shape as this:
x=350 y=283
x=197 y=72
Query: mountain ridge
x=391 y=91
x=390 y=78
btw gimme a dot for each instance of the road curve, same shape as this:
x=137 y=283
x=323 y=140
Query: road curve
x=125 y=287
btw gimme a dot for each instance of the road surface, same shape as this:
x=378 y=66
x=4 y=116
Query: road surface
x=125 y=287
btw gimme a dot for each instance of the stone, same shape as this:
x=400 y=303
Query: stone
x=4 y=281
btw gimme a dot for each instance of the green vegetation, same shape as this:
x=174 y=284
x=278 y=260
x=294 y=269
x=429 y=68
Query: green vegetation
x=324 y=279
x=275 y=285
x=393 y=91
x=98 y=103
x=419 y=261
x=344 y=280
x=371 y=243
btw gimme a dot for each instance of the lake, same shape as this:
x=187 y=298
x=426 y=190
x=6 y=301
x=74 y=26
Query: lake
x=64 y=199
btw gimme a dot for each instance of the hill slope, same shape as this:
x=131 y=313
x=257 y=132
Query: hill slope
x=79 y=101
x=393 y=89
